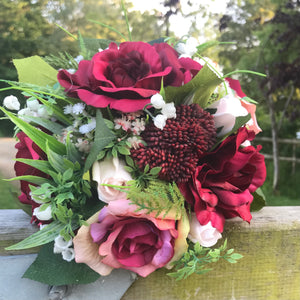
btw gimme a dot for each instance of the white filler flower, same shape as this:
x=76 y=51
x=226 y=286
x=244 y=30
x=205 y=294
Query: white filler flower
x=11 y=102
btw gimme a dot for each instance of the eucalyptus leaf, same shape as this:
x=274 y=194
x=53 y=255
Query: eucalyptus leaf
x=51 y=269
x=103 y=136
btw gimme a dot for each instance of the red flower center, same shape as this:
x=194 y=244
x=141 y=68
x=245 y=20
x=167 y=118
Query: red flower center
x=126 y=71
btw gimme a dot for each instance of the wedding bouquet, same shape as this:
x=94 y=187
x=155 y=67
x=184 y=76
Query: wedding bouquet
x=132 y=155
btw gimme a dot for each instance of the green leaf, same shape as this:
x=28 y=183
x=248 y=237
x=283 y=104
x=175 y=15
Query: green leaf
x=123 y=150
x=38 y=136
x=103 y=136
x=259 y=200
x=236 y=256
x=32 y=179
x=199 y=88
x=51 y=269
x=72 y=152
x=35 y=70
x=44 y=236
x=157 y=41
x=55 y=160
x=50 y=125
x=41 y=165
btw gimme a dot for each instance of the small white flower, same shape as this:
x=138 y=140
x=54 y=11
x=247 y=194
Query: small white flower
x=83 y=145
x=33 y=104
x=157 y=101
x=83 y=129
x=71 y=71
x=11 y=102
x=61 y=244
x=78 y=108
x=206 y=235
x=43 y=113
x=160 y=121
x=169 y=110
x=189 y=48
x=25 y=112
x=134 y=142
x=78 y=58
x=68 y=254
x=43 y=215
x=68 y=109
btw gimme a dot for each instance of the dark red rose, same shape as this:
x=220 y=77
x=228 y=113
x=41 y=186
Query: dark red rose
x=125 y=77
x=29 y=150
x=225 y=179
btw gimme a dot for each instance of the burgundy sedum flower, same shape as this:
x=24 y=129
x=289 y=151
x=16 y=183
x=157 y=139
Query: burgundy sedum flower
x=177 y=148
x=126 y=77
x=224 y=181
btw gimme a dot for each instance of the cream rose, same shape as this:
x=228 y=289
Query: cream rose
x=110 y=171
x=206 y=235
x=228 y=109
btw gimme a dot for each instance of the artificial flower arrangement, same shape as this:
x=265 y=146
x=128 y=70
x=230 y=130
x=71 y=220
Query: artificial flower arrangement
x=132 y=157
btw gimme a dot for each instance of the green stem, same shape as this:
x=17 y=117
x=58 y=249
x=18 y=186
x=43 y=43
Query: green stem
x=244 y=71
x=126 y=19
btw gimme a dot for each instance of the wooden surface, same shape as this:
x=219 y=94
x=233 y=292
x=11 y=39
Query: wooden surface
x=270 y=268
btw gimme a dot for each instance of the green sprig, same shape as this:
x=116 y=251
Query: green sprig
x=196 y=259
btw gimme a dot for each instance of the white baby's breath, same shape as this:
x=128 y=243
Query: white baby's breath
x=78 y=108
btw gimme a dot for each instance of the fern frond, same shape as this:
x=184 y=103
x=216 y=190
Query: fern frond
x=62 y=60
x=159 y=197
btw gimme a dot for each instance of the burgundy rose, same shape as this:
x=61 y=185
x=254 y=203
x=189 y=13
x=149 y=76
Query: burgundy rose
x=225 y=179
x=125 y=77
x=29 y=150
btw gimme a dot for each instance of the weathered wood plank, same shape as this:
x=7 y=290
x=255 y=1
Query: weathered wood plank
x=269 y=270
x=14 y=227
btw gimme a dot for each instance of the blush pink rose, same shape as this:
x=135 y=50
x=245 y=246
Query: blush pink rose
x=120 y=237
x=125 y=77
x=250 y=107
x=224 y=181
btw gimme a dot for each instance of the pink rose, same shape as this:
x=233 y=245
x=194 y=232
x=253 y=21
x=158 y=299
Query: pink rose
x=120 y=237
x=126 y=77
x=224 y=181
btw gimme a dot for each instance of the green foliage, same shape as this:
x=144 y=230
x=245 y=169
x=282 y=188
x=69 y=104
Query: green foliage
x=51 y=269
x=196 y=259
x=159 y=197
x=63 y=60
x=103 y=136
x=199 y=89
x=142 y=177
x=259 y=200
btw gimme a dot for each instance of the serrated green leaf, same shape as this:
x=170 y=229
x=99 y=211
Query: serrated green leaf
x=38 y=136
x=35 y=70
x=259 y=200
x=44 y=236
x=103 y=136
x=51 y=269
x=201 y=87
x=146 y=169
x=129 y=161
